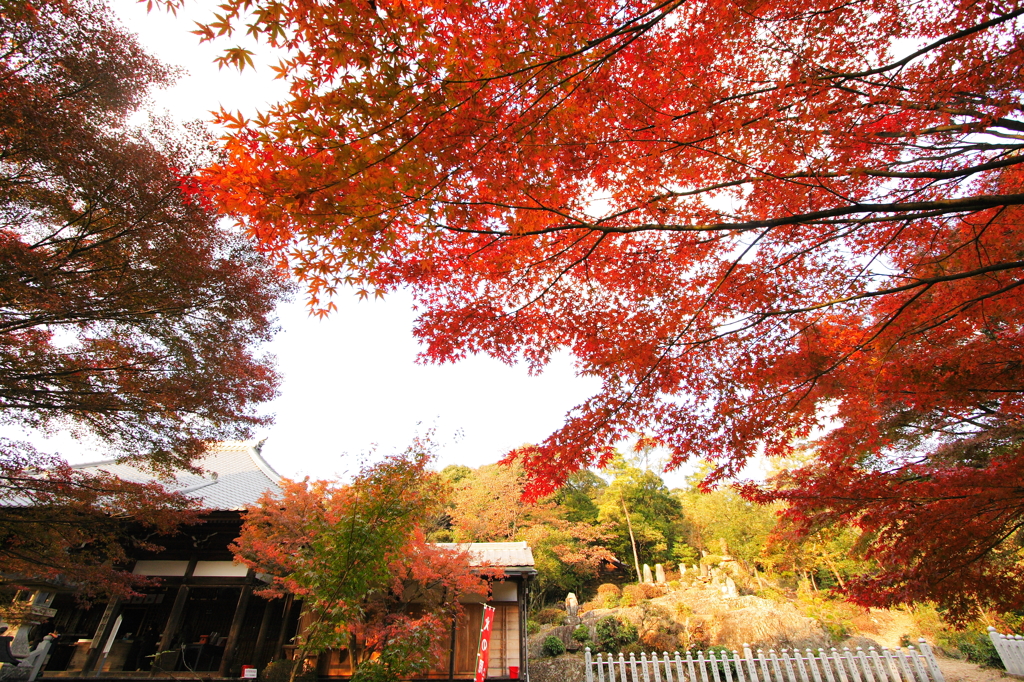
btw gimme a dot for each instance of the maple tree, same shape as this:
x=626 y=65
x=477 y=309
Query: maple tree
x=487 y=506
x=357 y=555
x=569 y=545
x=128 y=314
x=748 y=219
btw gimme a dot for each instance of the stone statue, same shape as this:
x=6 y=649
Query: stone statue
x=572 y=605
x=659 y=573
x=647 y=574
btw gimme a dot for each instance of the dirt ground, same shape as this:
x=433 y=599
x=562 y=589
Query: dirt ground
x=962 y=671
x=887 y=627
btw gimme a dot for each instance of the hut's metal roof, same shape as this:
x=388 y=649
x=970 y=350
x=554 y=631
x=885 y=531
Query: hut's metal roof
x=234 y=476
x=508 y=555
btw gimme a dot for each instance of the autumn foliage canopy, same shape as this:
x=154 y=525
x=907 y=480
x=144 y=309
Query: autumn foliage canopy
x=749 y=219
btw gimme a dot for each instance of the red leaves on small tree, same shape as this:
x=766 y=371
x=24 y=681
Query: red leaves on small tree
x=357 y=556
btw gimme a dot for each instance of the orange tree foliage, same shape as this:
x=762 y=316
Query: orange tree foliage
x=357 y=557
x=734 y=213
x=569 y=547
x=127 y=313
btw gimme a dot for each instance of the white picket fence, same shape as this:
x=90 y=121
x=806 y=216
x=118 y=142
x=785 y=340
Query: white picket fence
x=1011 y=650
x=885 y=665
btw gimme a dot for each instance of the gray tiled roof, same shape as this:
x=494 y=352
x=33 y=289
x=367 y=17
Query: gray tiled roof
x=235 y=476
x=506 y=554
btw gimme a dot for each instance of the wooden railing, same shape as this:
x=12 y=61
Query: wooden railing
x=1011 y=651
x=874 y=665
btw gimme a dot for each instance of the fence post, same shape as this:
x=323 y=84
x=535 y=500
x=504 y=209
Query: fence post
x=775 y=666
x=908 y=664
x=726 y=665
x=862 y=657
x=701 y=666
x=916 y=657
x=1012 y=644
x=751 y=665
x=880 y=668
x=738 y=662
x=854 y=671
x=668 y=666
x=788 y=666
x=901 y=656
x=800 y=668
x=894 y=671
x=813 y=665
x=1008 y=650
x=933 y=665
x=713 y=664
x=826 y=665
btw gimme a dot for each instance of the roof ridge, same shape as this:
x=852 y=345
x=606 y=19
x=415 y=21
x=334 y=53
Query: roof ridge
x=97 y=463
x=263 y=465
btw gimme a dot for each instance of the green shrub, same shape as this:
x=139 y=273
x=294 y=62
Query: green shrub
x=633 y=648
x=973 y=646
x=834 y=616
x=674 y=584
x=711 y=560
x=611 y=601
x=581 y=633
x=685 y=554
x=374 y=671
x=552 y=646
x=613 y=634
x=719 y=652
x=532 y=627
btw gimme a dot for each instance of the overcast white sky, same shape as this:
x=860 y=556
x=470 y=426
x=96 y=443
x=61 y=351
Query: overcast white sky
x=350 y=381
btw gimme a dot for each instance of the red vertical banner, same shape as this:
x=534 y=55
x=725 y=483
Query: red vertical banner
x=483 y=657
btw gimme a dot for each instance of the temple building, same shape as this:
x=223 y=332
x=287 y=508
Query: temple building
x=203 y=617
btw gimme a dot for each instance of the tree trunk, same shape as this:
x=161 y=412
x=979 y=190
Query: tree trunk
x=632 y=540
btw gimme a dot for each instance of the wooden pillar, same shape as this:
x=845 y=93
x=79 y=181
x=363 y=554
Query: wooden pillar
x=165 y=660
x=102 y=632
x=451 y=653
x=524 y=647
x=286 y=614
x=259 y=653
x=231 y=646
